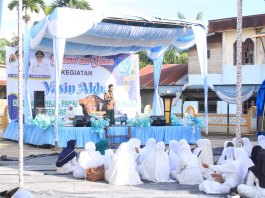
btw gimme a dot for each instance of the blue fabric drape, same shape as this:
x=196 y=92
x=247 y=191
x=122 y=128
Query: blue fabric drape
x=260 y=101
x=157 y=64
x=27 y=107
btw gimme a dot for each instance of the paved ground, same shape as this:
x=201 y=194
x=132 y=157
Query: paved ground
x=43 y=181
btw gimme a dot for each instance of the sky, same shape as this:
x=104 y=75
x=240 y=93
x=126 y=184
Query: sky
x=212 y=9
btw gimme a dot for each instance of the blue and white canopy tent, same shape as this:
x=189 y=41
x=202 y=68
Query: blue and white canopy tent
x=80 y=32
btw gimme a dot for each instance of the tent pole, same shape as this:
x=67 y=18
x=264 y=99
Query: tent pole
x=227 y=119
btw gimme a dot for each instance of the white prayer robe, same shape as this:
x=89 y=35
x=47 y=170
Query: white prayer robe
x=156 y=167
x=68 y=167
x=250 y=190
x=247 y=145
x=122 y=168
x=107 y=158
x=69 y=114
x=206 y=156
x=87 y=159
x=174 y=156
x=188 y=171
x=150 y=144
x=232 y=179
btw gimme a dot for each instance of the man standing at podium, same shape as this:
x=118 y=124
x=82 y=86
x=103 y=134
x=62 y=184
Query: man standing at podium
x=109 y=101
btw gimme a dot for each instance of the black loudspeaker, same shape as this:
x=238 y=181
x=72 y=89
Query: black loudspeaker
x=82 y=121
x=38 y=111
x=158 y=120
x=39 y=99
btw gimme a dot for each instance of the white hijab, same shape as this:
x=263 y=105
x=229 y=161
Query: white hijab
x=199 y=148
x=182 y=141
x=185 y=153
x=241 y=159
x=263 y=146
x=150 y=144
x=247 y=145
x=207 y=152
x=122 y=168
x=228 y=152
x=174 y=154
x=90 y=157
x=261 y=140
x=70 y=113
x=156 y=166
x=175 y=147
x=134 y=143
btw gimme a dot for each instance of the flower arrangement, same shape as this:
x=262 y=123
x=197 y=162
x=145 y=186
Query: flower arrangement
x=43 y=121
x=141 y=120
x=188 y=121
x=175 y=121
x=98 y=124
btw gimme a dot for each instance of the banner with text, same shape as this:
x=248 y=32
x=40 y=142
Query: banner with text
x=81 y=76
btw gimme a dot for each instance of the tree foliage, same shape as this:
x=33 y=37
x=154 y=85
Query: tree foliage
x=3 y=43
x=78 y=4
x=32 y=5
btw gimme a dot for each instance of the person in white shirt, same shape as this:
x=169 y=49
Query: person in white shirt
x=156 y=166
x=188 y=171
x=69 y=115
x=106 y=153
x=87 y=159
x=14 y=65
x=39 y=68
x=235 y=173
x=122 y=168
x=255 y=185
x=66 y=162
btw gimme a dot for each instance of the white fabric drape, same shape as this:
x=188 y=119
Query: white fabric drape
x=156 y=166
x=179 y=93
x=122 y=169
x=150 y=144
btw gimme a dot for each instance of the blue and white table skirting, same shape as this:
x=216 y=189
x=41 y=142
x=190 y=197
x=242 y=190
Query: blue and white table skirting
x=37 y=136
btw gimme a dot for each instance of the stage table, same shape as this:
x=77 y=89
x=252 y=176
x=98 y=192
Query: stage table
x=37 y=136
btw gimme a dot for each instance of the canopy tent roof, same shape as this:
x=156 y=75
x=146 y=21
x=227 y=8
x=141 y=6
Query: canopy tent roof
x=110 y=34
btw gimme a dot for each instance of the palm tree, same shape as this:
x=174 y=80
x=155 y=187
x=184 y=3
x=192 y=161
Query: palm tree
x=78 y=4
x=15 y=37
x=20 y=93
x=32 y=5
x=239 y=74
x=198 y=17
x=47 y=9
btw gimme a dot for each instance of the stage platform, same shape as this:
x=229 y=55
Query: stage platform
x=37 y=136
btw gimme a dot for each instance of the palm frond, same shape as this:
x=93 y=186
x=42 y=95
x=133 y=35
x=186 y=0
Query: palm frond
x=12 y=4
x=181 y=16
x=199 y=16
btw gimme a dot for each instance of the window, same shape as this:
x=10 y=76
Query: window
x=212 y=106
x=247 y=52
x=246 y=105
x=248 y=49
x=208 y=54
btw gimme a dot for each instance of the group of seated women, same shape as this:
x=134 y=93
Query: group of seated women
x=241 y=167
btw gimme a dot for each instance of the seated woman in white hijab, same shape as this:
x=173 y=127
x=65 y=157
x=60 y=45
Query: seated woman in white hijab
x=188 y=171
x=122 y=168
x=255 y=185
x=135 y=149
x=261 y=140
x=247 y=145
x=182 y=141
x=227 y=154
x=198 y=148
x=69 y=115
x=87 y=159
x=205 y=156
x=235 y=170
x=174 y=156
x=156 y=166
x=150 y=144
x=106 y=153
